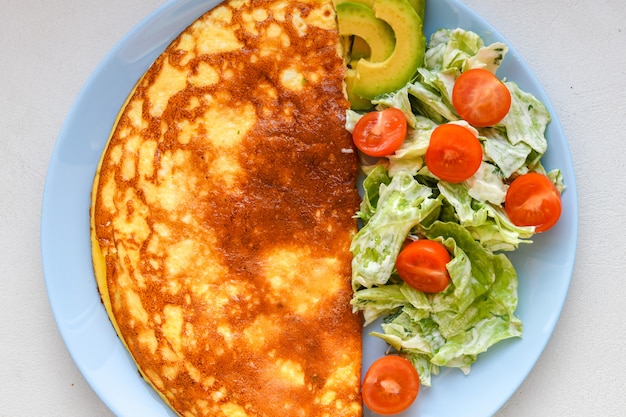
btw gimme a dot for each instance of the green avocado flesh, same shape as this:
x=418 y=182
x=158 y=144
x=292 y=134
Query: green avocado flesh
x=378 y=74
x=359 y=20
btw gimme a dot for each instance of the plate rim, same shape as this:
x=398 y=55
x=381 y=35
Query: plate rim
x=171 y=8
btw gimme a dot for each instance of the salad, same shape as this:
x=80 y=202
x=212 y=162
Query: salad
x=451 y=184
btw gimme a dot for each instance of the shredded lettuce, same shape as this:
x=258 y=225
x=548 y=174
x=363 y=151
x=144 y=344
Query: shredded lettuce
x=402 y=204
x=527 y=120
x=402 y=199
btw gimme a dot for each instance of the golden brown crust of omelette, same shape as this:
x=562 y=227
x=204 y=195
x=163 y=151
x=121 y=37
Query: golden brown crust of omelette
x=222 y=214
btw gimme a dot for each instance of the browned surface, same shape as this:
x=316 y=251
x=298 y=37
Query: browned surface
x=231 y=286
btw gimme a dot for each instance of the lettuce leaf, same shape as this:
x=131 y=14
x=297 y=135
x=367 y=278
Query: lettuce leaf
x=402 y=199
x=453 y=327
x=401 y=205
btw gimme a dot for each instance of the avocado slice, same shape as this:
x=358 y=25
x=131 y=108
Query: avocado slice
x=374 y=78
x=355 y=47
x=359 y=49
x=356 y=102
x=354 y=18
x=368 y=3
x=420 y=7
x=370 y=38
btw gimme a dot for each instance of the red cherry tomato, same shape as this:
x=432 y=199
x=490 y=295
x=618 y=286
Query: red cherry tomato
x=533 y=200
x=479 y=97
x=380 y=133
x=391 y=385
x=422 y=265
x=454 y=153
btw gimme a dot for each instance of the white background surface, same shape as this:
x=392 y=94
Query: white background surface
x=577 y=50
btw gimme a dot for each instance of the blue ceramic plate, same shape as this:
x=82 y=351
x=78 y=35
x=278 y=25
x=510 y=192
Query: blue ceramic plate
x=544 y=268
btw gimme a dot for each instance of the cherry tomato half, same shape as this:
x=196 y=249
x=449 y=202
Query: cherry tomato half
x=422 y=265
x=533 y=200
x=479 y=97
x=380 y=133
x=391 y=385
x=454 y=153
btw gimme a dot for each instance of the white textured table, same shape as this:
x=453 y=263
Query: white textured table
x=577 y=51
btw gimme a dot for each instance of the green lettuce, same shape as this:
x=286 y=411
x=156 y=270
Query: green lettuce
x=453 y=327
x=507 y=156
x=517 y=143
x=463 y=50
x=403 y=200
x=401 y=204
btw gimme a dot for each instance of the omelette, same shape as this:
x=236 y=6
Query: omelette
x=222 y=214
